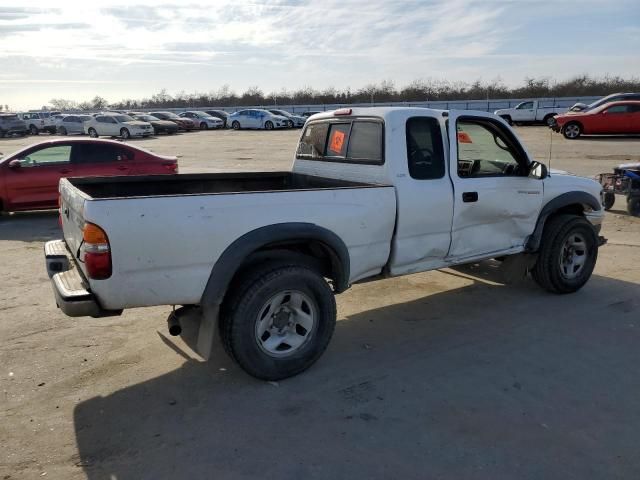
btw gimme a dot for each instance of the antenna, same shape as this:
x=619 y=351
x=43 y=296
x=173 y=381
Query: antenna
x=550 y=150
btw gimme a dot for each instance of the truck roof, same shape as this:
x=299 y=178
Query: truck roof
x=377 y=112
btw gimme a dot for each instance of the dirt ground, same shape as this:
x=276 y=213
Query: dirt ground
x=447 y=374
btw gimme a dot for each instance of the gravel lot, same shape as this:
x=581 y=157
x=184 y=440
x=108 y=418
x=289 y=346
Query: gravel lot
x=446 y=374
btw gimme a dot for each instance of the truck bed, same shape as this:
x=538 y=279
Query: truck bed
x=205 y=184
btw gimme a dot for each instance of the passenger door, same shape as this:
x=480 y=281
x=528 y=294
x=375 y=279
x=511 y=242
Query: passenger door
x=524 y=112
x=101 y=159
x=615 y=119
x=34 y=184
x=496 y=203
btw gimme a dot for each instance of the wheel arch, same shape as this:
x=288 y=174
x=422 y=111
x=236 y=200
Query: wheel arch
x=575 y=203
x=303 y=241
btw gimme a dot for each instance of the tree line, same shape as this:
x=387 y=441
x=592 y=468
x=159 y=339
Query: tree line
x=385 y=91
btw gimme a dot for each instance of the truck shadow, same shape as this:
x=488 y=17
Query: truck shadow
x=38 y=226
x=505 y=380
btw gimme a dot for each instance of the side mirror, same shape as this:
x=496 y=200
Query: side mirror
x=538 y=170
x=15 y=164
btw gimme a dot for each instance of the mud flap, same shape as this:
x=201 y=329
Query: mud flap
x=207 y=331
x=199 y=326
x=515 y=267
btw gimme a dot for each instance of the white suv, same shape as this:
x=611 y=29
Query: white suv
x=117 y=126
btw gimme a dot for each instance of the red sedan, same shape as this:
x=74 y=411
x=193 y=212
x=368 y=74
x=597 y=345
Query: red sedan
x=612 y=118
x=29 y=177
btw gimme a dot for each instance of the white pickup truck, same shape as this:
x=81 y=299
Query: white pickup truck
x=531 y=111
x=258 y=257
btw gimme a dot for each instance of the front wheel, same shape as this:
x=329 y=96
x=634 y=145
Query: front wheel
x=608 y=199
x=62 y=131
x=633 y=206
x=235 y=125
x=204 y=126
x=33 y=130
x=567 y=255
x=268 y=125
x=93 y=133
x=572 y=131
x=279 y=321
x=124 y=133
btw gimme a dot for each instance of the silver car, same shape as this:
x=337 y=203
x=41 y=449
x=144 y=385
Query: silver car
x=256 y=118
x=294 y=120
x=72 y=124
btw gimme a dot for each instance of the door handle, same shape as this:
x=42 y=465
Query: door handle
x=469 y=197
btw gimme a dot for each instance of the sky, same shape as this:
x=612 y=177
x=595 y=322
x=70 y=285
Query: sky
x=133 y=49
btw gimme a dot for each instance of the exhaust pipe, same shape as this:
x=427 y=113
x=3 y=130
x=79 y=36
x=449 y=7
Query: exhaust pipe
x=175 y=329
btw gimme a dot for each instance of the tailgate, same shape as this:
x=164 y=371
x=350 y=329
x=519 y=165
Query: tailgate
x=71 y=213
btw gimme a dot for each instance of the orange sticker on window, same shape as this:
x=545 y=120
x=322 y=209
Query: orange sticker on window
x=463 y=137
x=337 y=141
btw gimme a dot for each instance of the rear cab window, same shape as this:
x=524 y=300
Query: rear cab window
x=347 y=140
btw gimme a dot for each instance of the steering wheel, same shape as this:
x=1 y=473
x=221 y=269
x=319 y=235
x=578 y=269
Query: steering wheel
x=426 y=153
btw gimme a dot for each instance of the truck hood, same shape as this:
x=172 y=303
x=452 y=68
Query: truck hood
x=559 y=182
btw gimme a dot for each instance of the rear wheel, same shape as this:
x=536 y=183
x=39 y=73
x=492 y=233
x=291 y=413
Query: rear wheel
x=93 y=133
x=124 y=133
x=62 y=131
x=235 y=125
x=549 y=120
x=278 y=321
x=567 y=255
x=33 y=130
x=633 y=206
x=572 y=131
x=268 y=125
x=608 y=199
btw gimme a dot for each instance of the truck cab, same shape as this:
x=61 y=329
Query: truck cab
x=530 y=111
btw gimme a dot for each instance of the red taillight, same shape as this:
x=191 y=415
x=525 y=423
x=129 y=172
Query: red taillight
x=172 y=167
x=97 y=252
x=342 y=111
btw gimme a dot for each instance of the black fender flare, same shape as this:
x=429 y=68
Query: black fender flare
x=233 y=257
x=566 y=199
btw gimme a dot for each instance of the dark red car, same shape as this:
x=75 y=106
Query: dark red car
x=622 y=117
x=29 y=177
x=185 y=124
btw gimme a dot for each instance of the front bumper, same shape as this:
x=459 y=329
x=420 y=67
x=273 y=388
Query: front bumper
x=70 y=289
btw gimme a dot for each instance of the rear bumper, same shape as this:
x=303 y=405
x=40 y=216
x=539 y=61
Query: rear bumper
x=70 y=289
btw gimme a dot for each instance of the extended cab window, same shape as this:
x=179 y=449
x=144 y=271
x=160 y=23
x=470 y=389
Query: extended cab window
x=525 y=106
x=485 y=151
x=349 y=141
x=425 y=154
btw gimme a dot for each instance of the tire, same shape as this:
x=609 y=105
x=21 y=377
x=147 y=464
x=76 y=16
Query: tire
x=235 y=125
x=268 y=125
x=124 y=133
x=608 y=199
x=93 y=133
x=548 y=120
x=274 y=288
x=204 y=126
x=62 y=131
x=33 y=130
x=633 y=206
x=572 y=130
x=566 y=235
x=507 y=119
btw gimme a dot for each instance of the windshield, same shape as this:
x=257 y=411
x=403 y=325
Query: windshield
x=168 y=115
x=147 y=118
x=123 y=118
x=202 y=114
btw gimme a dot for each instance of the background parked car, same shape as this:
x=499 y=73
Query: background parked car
x=222 y=115
x=10 y=124
x=256 y=118
x=309 y=113
x=202 y=119
x=294 y=120
x=72 y=124
x=614 y=97
x=185 y=124
x=29 y=177
x=609 y=119
x=117 y=126
x=159 y=126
